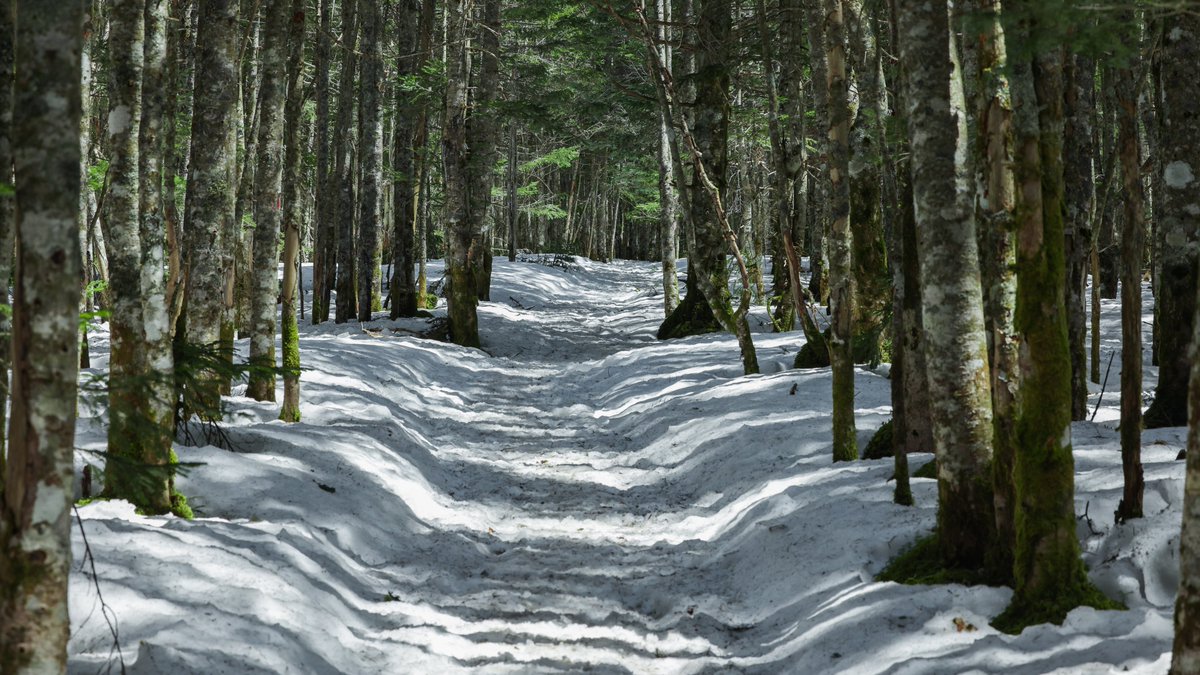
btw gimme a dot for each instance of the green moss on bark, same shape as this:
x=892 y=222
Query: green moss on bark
x=880 y=445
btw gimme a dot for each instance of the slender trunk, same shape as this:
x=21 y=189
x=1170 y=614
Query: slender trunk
x=293 y=215
x=35 y=500
x=408 y=155
x=343 y=177
x=7 y=215
x=483 y=131
x=818 y=279
x=841 y=281
x=1080 y=185
x=371 y=156
x=1128 y=147
x=324 y=265
x=668 y=201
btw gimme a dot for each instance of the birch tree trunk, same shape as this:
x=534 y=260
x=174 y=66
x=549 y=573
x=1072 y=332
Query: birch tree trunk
x=267 y=212
x=668 y=215
x=841 y=280
x=293 y=214
x=996 y=198
x=951 y=297
x=35 y=499
x=371 y=155
x=209 y=207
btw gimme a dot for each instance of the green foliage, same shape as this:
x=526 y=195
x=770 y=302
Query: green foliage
x=928 y=470
x=880 y=445
x=559 y=157
x=96 y=175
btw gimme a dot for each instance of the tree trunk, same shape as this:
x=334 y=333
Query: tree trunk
x=460 y=229
x=1050 y=578
x=1177 y=222
x=267 y=212
x=209 y=209
x=371 y=155
x=1080 y=179
x=951 y=296
x=819 y=192
x=668 y=215
x=293 y=215
x=483 y=131
x=343 y=179
x=841 y=282
x=324 y=264
x=35 y=499
x=7 y=215
x=996 y=200
x=408 y=148
x=1128 y=148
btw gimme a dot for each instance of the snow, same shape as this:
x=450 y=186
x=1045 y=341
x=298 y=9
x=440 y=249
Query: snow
x=579 y=496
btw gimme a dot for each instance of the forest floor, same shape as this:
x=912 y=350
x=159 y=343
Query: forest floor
x=577 y=497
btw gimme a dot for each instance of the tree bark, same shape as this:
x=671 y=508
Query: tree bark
x=209 y=209
x=1177 y=221
x=343 y=179
x=951 y=296
x=408 y=149
x=324 y=265
x=1078 y=152
x=841 y=244
x=7 y=215
x=370 y=155
x=1132 y=236
x=35 y=499
x=1050 y=578
x=268 y=175
x=668 y=215
x=293 y=214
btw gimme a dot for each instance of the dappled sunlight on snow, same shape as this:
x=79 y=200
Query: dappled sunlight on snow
x=578 y=496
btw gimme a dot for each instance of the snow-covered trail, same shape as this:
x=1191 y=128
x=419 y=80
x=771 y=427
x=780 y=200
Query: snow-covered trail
x=579 y=497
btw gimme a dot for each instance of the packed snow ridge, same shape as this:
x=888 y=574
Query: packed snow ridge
x=579 y=496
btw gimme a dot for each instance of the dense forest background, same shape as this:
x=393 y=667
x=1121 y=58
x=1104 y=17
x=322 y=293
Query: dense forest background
x=950 y=188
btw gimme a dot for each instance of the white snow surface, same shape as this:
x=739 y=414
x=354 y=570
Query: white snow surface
x=581 y=497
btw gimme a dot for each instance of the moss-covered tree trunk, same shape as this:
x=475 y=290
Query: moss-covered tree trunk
x=324 y=263
x=1132 y=236
x=841 y=279
x=872 y=285
x=35 y=499
x=1049 y=576
x=951 y=297
x=293 y=213
x=209 y=209
x=996 y=200
x=343 y=179
x=1177 y=220
x=370 y=153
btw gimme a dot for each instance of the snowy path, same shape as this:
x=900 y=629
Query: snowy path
x=581 y=497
